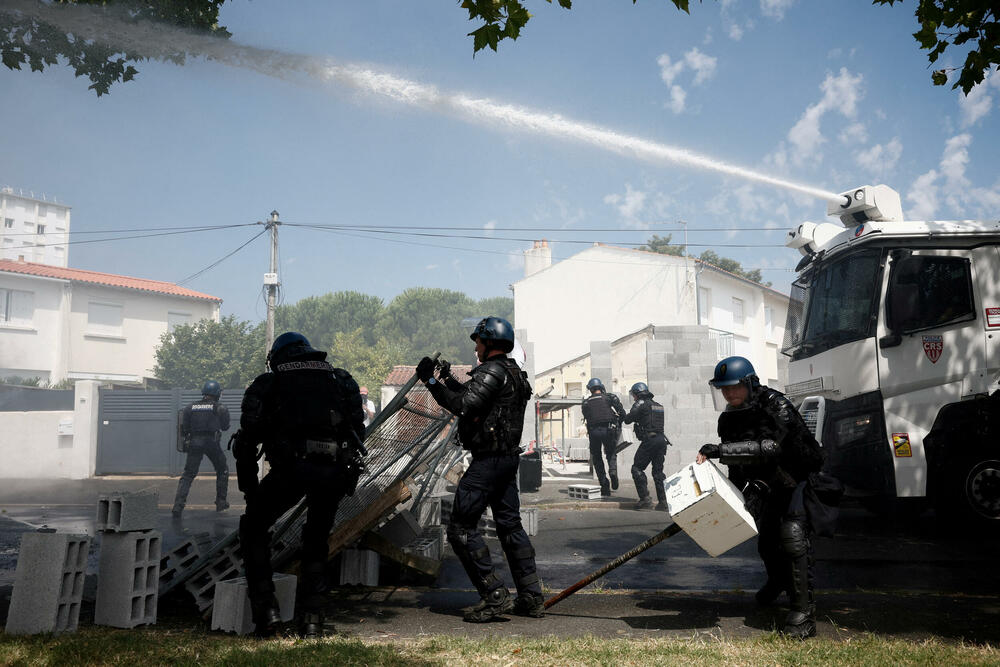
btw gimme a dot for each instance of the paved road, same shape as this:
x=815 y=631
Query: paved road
x=903 y=575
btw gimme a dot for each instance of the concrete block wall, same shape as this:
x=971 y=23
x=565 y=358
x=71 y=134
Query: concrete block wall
x=231 y=604
x=359 y=567
x=600 y=362
x=128 y=578
x=528 y=434
x=124 y=511
x=48 y=583
x=680 y=361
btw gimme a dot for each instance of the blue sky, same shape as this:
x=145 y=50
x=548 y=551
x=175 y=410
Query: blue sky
x=832 y=95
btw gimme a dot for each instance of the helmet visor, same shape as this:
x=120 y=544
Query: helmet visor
x=738 y=397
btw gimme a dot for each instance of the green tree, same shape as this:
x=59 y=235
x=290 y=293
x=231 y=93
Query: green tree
x=661 y=244
x=501 y=306
x=731 y=265
x=425 y=320
x=943 y=23
x=37 y=34
x=229 y=351
x=369 y=364
x=321 y=318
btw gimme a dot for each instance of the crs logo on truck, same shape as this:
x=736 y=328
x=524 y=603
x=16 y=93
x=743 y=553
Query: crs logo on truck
x=933 y=347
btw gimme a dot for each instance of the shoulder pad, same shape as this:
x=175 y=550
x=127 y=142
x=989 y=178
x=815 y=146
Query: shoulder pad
x=493 y=369
x=773 y=397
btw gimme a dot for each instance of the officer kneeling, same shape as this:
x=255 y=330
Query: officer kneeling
x=770 y=451
x=490 y=408
x=308 y=416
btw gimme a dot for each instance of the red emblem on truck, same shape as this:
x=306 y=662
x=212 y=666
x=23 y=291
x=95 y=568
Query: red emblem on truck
x=933 y=347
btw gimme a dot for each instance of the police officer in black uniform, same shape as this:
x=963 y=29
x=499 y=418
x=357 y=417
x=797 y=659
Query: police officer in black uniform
x=603 y=414
x=770 y=451
x=490 y=408
x=309 y=418
x=200 y=425
x=647 y=415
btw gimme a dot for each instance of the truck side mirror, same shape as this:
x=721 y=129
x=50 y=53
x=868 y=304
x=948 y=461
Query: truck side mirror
x=902 y=301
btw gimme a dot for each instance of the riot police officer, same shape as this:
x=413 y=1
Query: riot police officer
x=199 y=426
x=308 y=416
x=490 y=409
x=647 y=415
x=770 y=451
x=603 y=414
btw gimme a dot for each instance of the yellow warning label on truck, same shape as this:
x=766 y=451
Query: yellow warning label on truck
x=901 y=444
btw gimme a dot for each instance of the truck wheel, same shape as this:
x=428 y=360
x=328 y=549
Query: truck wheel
x=981 y=489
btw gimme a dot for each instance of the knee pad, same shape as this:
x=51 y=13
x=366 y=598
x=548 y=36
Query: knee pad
x=794 y=538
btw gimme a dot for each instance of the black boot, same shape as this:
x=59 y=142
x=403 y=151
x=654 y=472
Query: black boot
x=312 y=626
x=266 y=616
x=614 y=481
x=495 y=603
x=605 y=488
x=532 y=606
x=645 y=503
x=799 y=625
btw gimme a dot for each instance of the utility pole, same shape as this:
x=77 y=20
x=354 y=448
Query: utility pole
x=271 y=282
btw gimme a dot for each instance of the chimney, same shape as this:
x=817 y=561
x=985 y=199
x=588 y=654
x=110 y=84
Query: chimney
x=537 y=258
x=20 y=258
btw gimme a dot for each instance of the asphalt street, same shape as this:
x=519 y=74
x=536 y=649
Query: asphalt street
x=906 y=574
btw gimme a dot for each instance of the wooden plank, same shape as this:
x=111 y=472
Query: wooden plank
x=350 y=530
x=385 y=548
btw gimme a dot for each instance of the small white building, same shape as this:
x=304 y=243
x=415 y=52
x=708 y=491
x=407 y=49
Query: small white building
x=58 y=323
x=33 y=228
x=607 y=292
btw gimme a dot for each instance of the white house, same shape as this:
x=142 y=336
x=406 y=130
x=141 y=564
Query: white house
x=33 y=228
x=58 y=323
x=605 y=292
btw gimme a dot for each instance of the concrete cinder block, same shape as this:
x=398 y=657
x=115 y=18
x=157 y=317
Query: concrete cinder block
x=181 y=559
x=359 y=567
x=401 y=529
x=48 y=583
x=225 y=565
x=584 y=492
x=231 y=604
x=429 y=511
x=529 y=520
x=126 y=510
x=128 y=579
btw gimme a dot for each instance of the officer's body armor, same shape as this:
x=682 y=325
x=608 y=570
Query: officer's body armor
x=204 y=424
x=647 y=415
x=301 y=405
x=769 y=415
x=598 y=410
x=490 y=406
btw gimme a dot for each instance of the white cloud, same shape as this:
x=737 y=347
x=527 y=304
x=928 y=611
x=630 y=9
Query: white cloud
x=923 y=194
x=733 y=27
x=841 y=93
x=881 y=159
x=431 y=267
x=978 y=103
x=855 y=133
x=735 y=32
x=490 y=227
x=775 y=8
x=678 y=97
x=702 y=64
x=948 y=186
x=668 y=69
x=834 y=53
x=630 y=204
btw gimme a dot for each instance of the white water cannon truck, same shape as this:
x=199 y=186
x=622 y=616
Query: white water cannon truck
x=893 y=335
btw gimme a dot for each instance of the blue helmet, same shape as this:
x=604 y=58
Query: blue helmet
x=638 y=389
x=735 y=370
x=291 y=344
x=211 y=388
x=495 y=332
x=595 y=383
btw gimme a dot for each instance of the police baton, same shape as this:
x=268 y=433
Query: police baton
x=672 y=529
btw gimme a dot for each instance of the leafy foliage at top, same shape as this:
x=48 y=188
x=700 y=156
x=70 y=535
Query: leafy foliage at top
x=662 y=245
x=945 y=23
x=27 y=39
x=359 y=331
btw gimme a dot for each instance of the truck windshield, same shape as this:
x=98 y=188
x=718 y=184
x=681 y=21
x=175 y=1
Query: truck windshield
x=832 y=304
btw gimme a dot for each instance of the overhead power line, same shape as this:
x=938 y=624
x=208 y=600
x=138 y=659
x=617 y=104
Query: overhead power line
x=224 y=257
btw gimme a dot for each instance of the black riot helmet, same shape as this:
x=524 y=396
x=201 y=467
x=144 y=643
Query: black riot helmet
x=495 y=332
x=292 y=345
x=639 y=389
x=735 y=370
x=211 y=388
x=595 y=383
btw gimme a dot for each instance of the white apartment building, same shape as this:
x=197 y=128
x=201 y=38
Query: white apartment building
x=58 y=323
x=34 y=228
x=605 y=293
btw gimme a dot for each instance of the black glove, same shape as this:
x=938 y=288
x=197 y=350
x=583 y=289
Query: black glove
x=425 y=369
x=444 y=369
x=709 y=451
